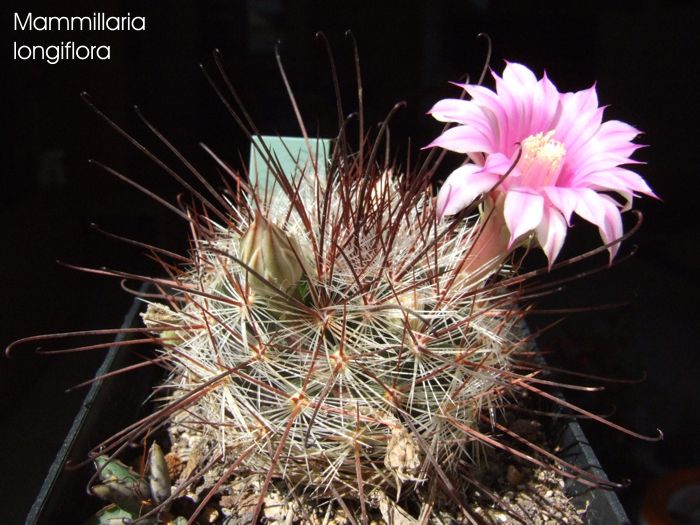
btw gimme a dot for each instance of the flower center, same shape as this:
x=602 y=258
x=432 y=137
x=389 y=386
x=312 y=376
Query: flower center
x=541 y=159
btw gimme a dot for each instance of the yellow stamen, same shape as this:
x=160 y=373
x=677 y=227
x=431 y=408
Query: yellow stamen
x=542 y=157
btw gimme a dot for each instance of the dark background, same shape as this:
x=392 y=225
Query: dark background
x=643 y=56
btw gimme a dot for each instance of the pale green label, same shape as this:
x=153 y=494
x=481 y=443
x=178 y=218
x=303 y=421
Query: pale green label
x=292 y=154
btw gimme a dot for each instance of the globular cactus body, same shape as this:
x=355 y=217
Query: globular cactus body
x=326 y=338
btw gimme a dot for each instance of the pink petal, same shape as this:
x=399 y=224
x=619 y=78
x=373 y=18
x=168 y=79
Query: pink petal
x=494 y=126
x=589 y=206
x=586 y=163
x=583 y=128
x=477 y=158
x=547 y=107
x=579 y=120
x=449 y=109
x=466 y=112
x=617 y=132
x=519 y=88
x=610 y=146
x=517 y=113
x=563 y=199
x=611 y=229
x=463 y=139
x=462 y=188
x=620 y=180
x=491 y=104
x=452 y=110
x=615 y=137
x=602 y=211
x=498 y=164
x=551 y=233
x=584 y=101
x=523 y=213
x=518 y=75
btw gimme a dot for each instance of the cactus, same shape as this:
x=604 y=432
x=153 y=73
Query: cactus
x=343 y=356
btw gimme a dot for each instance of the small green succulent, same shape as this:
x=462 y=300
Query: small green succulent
x=131 y=495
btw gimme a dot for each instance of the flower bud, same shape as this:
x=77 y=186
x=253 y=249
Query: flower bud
x=269 y=251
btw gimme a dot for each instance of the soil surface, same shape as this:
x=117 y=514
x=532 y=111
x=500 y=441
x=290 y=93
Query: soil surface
x=509 y=490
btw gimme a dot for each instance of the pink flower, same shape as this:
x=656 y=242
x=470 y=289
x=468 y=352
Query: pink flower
x=567 y=157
